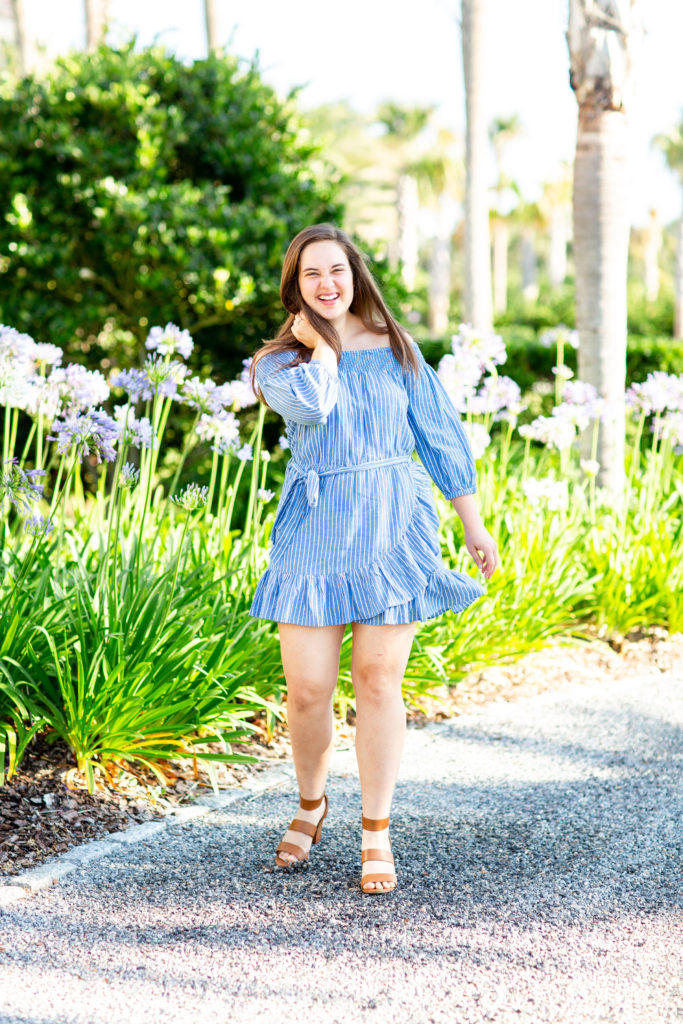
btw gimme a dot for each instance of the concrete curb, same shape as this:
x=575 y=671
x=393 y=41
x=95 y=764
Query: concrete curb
x=18 y=887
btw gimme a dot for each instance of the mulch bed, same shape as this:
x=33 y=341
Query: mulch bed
x=45 y=808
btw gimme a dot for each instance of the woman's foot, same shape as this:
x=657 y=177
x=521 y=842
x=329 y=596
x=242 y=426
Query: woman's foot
x=303 y=832
x=377 y=871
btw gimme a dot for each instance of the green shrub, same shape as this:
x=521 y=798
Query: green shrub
x=133 y=183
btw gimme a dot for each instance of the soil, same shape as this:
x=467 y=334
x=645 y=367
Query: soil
x=45 y=808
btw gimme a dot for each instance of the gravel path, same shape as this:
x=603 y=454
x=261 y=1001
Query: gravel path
x=538 y=848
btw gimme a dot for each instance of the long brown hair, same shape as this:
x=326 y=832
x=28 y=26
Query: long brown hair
x=367 y=304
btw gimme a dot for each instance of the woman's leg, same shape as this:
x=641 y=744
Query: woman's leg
x=310 y=662
x=378 y=662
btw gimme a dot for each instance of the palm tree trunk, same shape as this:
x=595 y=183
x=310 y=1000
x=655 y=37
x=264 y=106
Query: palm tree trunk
x=653 y=243
x=601 y=37
x=96 y=14
x=408 y=235
x=601 y=233
x=478 y=298
x=678 y=283
x=211 y=21
x=501 y=241
x=440 y=274
x=21 y=36
x=529 y=264
x=559 y=236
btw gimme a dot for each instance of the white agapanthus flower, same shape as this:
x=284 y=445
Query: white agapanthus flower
x=485 y=346
x=555 y=431
x=15 y=345
x=591 y=467
x=222 y=430
x=478 y=437
x=50 y=355
x=669 y=427
x=546 y=492
x=16 y=387
x=205 y=395
x=566 y=335
x=73 y=389
x=497 y=395
x=169 y=341
x=657 y=393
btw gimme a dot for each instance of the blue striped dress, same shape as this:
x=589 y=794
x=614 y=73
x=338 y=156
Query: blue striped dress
x=355 y=533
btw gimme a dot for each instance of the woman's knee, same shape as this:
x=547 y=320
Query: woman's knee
x=376 y=683
x=307 y=693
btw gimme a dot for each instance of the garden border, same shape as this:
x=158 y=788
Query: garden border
x=18 y=887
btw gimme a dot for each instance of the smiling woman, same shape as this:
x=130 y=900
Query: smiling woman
x=355 y=534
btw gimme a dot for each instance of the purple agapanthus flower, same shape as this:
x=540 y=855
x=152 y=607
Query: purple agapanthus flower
x=89 y=433
x=39 y=526
x=133 y=381
x=134 y=431
x=19 y=487
x=156 y=377
x=191 y=498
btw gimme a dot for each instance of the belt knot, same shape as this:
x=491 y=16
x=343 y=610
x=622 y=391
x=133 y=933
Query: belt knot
x=312 y=476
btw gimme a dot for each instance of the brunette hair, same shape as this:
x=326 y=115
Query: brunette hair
x=367 y=304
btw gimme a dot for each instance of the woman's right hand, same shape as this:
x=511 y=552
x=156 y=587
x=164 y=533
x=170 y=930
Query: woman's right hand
x=304 y=332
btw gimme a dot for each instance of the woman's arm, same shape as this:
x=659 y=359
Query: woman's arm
x=305 y=393
x=478 y=540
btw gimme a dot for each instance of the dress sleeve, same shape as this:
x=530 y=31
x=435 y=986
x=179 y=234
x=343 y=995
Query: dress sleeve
x=439 y=435
x=305 y=393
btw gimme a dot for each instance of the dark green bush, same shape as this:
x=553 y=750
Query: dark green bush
x=648 y=354
x=136 y=189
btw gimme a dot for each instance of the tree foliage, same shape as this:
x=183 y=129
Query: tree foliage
x=137 y=189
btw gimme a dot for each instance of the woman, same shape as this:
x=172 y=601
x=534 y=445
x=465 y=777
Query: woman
x=355 y=534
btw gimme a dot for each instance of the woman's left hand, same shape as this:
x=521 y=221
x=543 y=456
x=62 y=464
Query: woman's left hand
x=482 y=548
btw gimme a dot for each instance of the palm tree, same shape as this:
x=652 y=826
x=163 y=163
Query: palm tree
x=652 y=243
x=555 y=207
x=671 y=146
x=358 y=159
x=528 y=217
x=601 y=36
x=478 y=299
x=96 y=17
x=21 y=36
x=502 y=131
x=211 y=21
x=440 y=176
x=403 y=127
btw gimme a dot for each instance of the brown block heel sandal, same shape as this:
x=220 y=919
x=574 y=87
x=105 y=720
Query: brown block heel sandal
x=307 y=829
x=376 y=825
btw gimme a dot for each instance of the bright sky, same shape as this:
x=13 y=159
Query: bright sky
x=367 y=51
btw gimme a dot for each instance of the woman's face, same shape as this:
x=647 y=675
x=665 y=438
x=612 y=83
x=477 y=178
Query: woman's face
x=326 y=279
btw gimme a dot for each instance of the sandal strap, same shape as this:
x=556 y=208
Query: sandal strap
x=291 y=848
x=305 y=827
x=379 y=877
x=385 y=855
x=375 y=824
x=310 y=805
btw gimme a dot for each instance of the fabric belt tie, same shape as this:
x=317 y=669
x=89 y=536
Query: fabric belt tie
x=312 y=476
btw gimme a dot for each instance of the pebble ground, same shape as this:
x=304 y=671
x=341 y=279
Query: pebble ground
x=539 y=851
